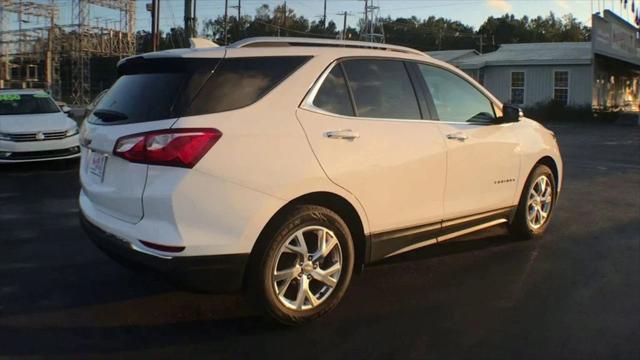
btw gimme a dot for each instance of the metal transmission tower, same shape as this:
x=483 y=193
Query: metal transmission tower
x=26 y=52
x=98 y=40
x=372 y=29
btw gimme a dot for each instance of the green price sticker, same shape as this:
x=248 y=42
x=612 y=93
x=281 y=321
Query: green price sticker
x=9 y=97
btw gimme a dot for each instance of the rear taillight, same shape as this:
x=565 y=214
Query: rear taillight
x=171 y=147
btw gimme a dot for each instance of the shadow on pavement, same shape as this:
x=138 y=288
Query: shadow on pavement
x=41 y=166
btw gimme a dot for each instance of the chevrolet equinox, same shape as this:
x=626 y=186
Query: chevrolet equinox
x=277 y=166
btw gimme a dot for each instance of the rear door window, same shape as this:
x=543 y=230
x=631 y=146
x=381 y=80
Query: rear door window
x=240 y=82
x=382 y=89
x=333 y=94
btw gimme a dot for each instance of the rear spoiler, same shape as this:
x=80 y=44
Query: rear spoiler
x=199 y=43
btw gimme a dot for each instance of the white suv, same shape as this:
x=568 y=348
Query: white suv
x=280 y=165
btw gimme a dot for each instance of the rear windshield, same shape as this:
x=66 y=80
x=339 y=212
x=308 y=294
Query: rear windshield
x=24 y=104
x=151 y=89
x=156 y=89
x=140 y=97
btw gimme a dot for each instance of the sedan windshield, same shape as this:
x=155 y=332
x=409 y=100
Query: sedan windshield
x=23 y=104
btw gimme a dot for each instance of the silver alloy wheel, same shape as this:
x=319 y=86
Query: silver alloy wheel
x=304 y=276
x=539 y=202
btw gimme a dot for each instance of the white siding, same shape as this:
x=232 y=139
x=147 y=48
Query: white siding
x=539 y=83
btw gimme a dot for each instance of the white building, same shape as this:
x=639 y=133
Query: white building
x=603 y=73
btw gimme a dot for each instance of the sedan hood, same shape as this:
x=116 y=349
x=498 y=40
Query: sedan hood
x=30 y=123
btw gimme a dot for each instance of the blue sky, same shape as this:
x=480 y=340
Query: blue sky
x=472 y=12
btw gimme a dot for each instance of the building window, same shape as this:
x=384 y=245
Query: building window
x=561 y=87
x=517 y=87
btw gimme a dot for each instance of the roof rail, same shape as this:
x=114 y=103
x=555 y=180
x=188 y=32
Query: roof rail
x=265 y=41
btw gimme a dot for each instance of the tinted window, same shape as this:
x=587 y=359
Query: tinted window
x=382 y=89
x=22 y=104
x=333 y=95
x=140 y=97
x=239 y=82
x=456 y=99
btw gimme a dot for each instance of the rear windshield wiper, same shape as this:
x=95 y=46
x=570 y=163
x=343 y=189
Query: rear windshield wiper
x=109 y=115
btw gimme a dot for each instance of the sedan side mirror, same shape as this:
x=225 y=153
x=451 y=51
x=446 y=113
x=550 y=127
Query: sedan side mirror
x=66 y=109
x=511 y=113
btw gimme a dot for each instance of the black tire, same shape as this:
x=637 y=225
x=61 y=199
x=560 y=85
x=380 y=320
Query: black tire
x=260 y=286
x=519 y=227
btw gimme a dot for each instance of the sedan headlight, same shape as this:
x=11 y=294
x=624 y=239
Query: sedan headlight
x=72 y=131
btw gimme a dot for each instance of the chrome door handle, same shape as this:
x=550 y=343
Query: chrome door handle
x=342 y=134
x=457 y=136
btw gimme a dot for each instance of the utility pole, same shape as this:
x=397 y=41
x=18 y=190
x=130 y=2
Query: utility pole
x=226 y=19
x=344 y=25
x=154 y=8
x=239 y=9
x=49 y=54
x=237 y=32
x=156 y=24
x=285 y=18
x=324 y=16
x=366 y=16
x=189 y=18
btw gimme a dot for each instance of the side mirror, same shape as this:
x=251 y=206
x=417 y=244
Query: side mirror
x=511 y=113
x=66 y=109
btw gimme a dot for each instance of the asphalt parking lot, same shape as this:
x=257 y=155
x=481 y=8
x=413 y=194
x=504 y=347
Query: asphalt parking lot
x=575 y=293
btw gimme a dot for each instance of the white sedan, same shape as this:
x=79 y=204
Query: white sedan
x=34 y=128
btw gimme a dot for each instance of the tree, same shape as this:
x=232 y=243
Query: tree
x=429 y=34
x=432 y=33
x=509 y=29
x=330 y=31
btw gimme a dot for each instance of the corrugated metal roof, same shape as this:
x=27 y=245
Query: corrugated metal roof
x=561 y=53
x=450 y=55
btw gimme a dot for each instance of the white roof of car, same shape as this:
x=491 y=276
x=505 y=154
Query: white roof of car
x=277 y=45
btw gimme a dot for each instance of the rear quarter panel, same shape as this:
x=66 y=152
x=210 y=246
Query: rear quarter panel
x=264 y=148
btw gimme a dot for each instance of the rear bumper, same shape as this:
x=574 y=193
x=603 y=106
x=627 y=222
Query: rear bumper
x=213 y=274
